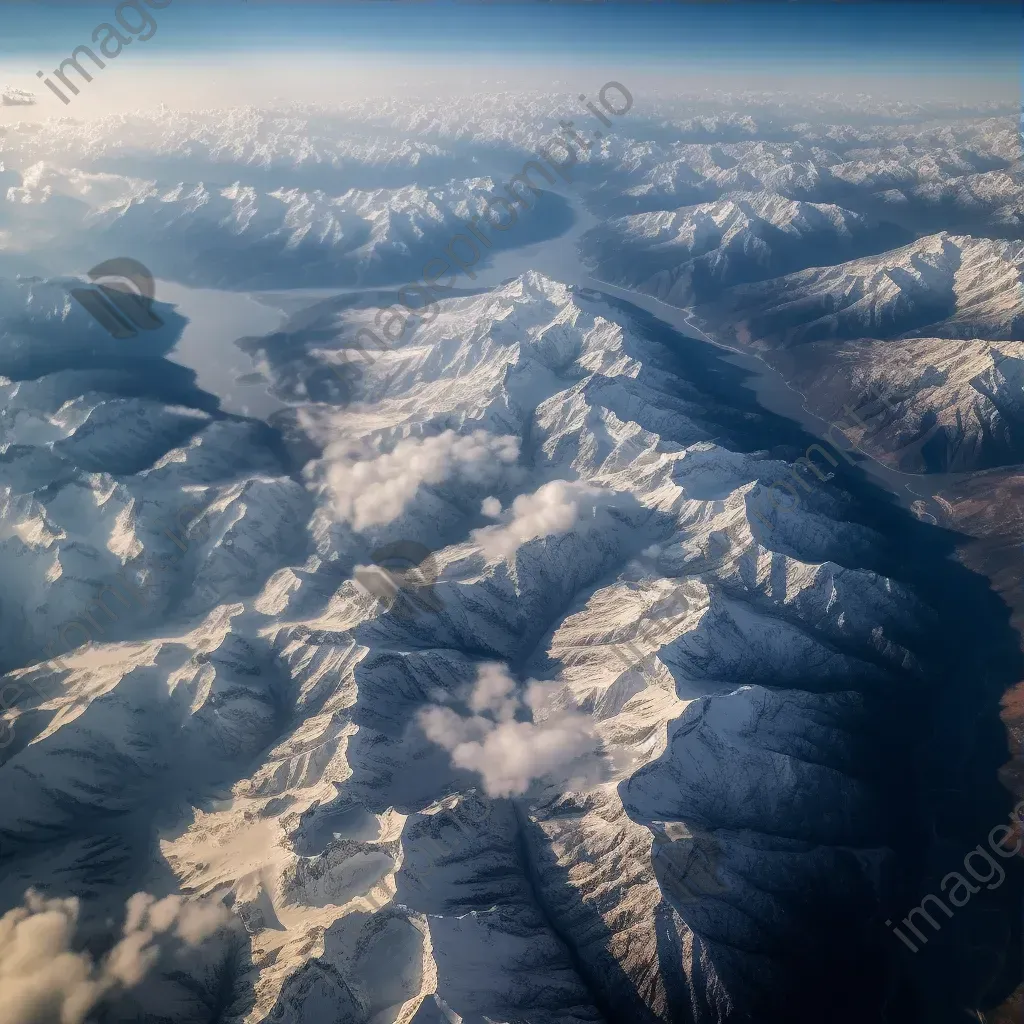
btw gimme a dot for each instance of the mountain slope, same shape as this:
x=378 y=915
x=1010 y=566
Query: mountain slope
x=630 y=756
x=690 y=254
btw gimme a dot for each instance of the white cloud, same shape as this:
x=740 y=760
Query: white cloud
x=376 y=490
x=553 y=509
x=45 y=981
x=558 y=745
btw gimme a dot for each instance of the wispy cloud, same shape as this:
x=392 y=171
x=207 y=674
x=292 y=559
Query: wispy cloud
x=45 y=980
x=510 y=753
x=553 y=509
x=371 y=490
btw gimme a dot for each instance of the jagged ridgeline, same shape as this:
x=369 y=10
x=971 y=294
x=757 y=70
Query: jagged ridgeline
x=658 y=747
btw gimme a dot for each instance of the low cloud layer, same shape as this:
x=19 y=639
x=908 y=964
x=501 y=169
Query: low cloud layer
x=556 y=745
x=45 y=981
x=553 y=509
x=11 y=97
x=377 y=490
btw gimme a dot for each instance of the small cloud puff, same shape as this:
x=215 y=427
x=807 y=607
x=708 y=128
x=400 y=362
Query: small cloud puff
x=11 y=97
x=377 y=490
x=553 y=509
x=44 y=980
x=557 y=744
x=491 y=507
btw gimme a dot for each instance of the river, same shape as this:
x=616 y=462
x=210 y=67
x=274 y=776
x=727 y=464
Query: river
x=217 y=319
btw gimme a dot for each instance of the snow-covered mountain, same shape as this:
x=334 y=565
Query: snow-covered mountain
x=854 y=167
x=649 y=753
x=920 y=404
x=952 y=286
x=924 y=340
x=994 y=199
x=521 y=668
x=240 y=236
x=688 y=255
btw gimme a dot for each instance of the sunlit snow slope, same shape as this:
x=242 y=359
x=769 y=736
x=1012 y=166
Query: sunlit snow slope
x=643 y=739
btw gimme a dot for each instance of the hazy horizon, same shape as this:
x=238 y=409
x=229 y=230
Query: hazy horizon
x=238 y=53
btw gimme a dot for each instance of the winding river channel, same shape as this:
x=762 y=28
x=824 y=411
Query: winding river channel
x=217 y=318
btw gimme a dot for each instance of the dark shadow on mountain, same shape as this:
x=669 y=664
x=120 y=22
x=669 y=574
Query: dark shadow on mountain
x=809 y=315
x=204 y=255
x=933 y=750
x=631 y=265
x=574 y=919
x=114 y=841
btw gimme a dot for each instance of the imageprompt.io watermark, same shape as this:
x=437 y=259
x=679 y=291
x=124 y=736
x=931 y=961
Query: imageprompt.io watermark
x=401 y=576
x=142 y=27
x=517 y=189
x=121 y=301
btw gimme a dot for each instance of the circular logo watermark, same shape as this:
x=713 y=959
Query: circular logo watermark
x=122 y=299
x=402 y=578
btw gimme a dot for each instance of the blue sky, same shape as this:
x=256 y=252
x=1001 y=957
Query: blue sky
x=978 y=39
